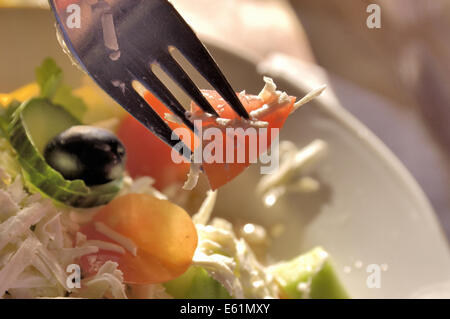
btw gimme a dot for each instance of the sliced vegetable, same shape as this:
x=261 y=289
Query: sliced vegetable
x=149 y=156
x=43 y=120
x=91 y=154
x=163 y=232
x=309 y=276
x=220 y=174
x=196 y=283
x=21 y=94
x=29 y=131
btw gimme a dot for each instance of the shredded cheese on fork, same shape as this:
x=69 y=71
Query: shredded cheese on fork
x=309 y=97
x=272 y=100
x=193 y=176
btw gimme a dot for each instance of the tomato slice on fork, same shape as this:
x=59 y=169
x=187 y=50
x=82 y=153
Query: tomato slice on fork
x=148 y=156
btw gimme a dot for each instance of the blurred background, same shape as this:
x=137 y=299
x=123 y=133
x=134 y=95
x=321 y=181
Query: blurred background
x=395 y=79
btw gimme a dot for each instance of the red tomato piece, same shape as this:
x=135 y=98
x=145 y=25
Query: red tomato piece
x=220 y=174
x=148 y=156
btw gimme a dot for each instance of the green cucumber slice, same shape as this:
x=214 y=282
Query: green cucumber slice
x=309 y=276
x=196 y=283
x=35 y=123
x=43 y=120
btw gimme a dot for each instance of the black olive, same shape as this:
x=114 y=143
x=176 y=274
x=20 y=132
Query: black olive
x=89 y=153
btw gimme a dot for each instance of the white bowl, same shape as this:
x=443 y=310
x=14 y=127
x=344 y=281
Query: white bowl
x=369 y=209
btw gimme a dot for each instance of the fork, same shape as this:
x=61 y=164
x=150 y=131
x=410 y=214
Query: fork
x=117 y=41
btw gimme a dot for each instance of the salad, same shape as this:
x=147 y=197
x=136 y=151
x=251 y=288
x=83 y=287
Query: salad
x=92 y=205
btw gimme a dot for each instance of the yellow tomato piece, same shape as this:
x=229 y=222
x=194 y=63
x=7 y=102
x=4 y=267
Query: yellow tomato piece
x=21 y=94
x=165 y=236
x=101 y=107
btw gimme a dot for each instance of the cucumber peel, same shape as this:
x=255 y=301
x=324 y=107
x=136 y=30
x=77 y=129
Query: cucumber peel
x=29 y=131
x=309 y=276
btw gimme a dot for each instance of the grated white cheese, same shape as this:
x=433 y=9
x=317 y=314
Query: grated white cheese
x=50 y=231
x=223 y=122
x=309 y=97
x=107 y=283
x=80 y=239
x=141 y=185
x=193 y=176
x=272 y=99
x=21 y=260
x=16 y=226
x=205 y=211
x=82 y=217
x=33 y=263
x=269 y=90
x=241 y=123
x=100 y=244
x=9 y=207
x=123 y=241
x=119 y=84
x=30 y=279
x=68 y=255
x=17 y=191
x=293 y=161
x=110 y=36
x=224 y=256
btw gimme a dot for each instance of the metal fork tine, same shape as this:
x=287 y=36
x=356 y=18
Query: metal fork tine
x=187 y=42
x=199 y=57
x=151 y=82
x=118 y=41
x=173 y=69
x=132 y=102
